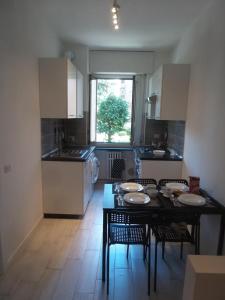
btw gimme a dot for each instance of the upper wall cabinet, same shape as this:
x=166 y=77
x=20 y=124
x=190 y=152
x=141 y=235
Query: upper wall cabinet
x=168 y=90
x=60 y=89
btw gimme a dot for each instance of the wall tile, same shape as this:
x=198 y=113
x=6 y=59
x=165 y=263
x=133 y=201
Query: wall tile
x=165 y=134
x=75 y=132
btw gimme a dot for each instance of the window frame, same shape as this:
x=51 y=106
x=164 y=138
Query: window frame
x=113 y=76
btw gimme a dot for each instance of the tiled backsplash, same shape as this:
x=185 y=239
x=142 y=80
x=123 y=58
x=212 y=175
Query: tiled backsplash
x=161 y=133
x=176 y=131
x=66 y=132
x=49 y=127
x=76 y=130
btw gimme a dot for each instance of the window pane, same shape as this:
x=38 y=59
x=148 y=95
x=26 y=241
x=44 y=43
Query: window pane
x=114 y=110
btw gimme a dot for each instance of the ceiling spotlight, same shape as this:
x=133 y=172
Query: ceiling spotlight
x=115 y=10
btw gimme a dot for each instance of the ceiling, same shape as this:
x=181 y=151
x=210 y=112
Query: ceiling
x=144 y=24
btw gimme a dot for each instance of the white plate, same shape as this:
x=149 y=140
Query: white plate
x=177 y=186
x=137 y=198
x=191 y=199
x=131 y=187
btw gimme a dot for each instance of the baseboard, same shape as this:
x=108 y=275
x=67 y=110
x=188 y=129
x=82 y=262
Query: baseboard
x=62 y=216
x=21 y=246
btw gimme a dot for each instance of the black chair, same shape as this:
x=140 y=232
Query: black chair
x=174 y=229
x=143 y=181
x=129 y=228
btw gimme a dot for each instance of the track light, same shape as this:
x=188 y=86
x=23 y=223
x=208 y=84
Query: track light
x=115 y=10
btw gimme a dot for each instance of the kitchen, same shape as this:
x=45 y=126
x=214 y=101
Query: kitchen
x=201 y=46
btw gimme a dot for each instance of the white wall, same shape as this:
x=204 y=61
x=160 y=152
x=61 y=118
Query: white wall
x=23 y=38
x=203 y=46
x=121 y=61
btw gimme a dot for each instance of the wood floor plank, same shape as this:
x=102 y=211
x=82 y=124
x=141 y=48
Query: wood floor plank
x=95 y=238
x=61 y=252
x=121 y=261
x=23 y=291
x=123 y=288
x=79 y=244
x=83 y=296
x=67 y=283
x=44 y=290
x=88 y=272
x=140 y=275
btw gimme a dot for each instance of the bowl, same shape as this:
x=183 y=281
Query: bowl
x=159 y=153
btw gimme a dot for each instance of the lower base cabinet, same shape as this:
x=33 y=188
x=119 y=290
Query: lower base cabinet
x=67 y=187
x=159 y=169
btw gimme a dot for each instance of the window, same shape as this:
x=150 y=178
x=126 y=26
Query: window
x=111 y=110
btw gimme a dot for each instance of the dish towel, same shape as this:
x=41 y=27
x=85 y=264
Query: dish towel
x=117 y=168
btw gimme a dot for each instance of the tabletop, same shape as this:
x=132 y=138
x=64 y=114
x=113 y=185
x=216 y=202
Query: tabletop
x=160 y=203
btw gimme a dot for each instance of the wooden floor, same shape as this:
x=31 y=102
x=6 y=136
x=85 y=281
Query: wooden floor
x=62 y=261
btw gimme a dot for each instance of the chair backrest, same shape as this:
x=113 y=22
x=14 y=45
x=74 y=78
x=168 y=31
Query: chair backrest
x=131 y=217
x=167 y=219
x=162 y=182
x=143 y=181
x=157 y=218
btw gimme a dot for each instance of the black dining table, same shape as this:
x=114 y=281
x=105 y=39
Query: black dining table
x=113 y=201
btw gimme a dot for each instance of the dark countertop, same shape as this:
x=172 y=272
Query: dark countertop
x=55 y=154
x=146 y=153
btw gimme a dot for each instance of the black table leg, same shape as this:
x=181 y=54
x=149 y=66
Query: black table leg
x=104 y=241
x=221 y=235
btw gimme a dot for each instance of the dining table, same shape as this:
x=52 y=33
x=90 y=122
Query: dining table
x=113 y=201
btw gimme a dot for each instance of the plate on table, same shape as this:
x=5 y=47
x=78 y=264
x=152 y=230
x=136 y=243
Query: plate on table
x=177 y=186
x=131 y=187
x=137 y=198
x=191 y=199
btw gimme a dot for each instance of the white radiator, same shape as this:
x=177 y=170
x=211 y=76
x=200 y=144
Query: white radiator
x=111 y=156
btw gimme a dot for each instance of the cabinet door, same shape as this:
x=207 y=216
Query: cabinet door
x=62 y=187
x=79 y=95
x=60 y=89
x=72 y=91
x=155 y=88
x=53 y=87
x=175 y=86
x=161 y=169
x=88 y=186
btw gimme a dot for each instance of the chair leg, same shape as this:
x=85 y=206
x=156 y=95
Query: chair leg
x=155 y=269
x=197 y=239
x=181 y=250
x=163 y=250
x=108 y=248
x=149 y=264
x=193 y=233
x=198 y=226
x=144 y=252
x=128 y=250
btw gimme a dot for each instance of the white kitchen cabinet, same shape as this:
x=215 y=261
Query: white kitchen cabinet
x=67 y=187
x=160 y=169
x=168 y=90
x=60 y=89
